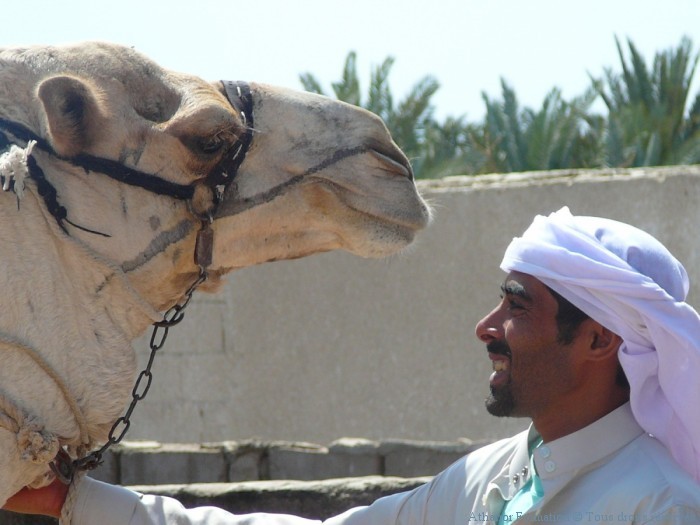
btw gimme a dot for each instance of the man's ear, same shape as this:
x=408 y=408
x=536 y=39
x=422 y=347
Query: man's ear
x=604 y=342
x=73 y=113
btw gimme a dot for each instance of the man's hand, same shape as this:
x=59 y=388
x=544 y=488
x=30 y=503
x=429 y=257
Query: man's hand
x=46 y=501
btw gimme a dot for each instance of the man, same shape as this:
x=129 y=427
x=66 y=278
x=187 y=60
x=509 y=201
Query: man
x=593 y=340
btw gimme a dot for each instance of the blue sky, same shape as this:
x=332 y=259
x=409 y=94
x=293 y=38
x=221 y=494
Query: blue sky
x=468 y=45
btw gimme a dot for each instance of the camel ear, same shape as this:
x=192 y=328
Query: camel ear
x=73 y=113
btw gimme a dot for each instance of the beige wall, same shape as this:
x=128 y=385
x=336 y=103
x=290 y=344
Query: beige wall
x=333 y=346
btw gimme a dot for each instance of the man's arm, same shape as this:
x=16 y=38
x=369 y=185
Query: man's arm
x=106 y=504
x=46 y=501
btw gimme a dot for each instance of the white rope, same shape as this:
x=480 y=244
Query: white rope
x=39 y=446
x=80 y=419
x=35 y=443
x=13 y=167
x=71 y=498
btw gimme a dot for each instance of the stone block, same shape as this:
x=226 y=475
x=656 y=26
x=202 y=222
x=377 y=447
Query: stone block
x=245 y=467
x=404 y=458
x=245 y=460
x=108 y=471
x=154 y=463
x=304 y=461
x=355 y=457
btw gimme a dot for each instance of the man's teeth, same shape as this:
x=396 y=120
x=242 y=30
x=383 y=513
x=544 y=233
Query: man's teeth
x=500 y=366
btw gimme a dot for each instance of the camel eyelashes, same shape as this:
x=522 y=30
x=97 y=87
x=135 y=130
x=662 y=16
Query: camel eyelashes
x=211 y=145
x=207 y=146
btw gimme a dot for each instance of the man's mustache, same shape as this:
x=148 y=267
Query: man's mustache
x=499 y=348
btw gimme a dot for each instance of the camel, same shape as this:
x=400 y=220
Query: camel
x=127 y=186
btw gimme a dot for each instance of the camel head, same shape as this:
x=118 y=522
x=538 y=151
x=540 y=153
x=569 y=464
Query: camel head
x=139 y=159
x=124 y=184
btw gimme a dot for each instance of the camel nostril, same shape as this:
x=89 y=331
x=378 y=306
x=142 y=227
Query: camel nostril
x=394 y=164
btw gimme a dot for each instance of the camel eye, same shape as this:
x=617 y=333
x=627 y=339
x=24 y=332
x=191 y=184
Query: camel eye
x=211 y=145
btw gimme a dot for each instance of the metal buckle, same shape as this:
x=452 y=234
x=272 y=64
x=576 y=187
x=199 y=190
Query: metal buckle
x=62 y=467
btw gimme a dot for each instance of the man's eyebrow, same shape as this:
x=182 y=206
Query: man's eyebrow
x=516 y=289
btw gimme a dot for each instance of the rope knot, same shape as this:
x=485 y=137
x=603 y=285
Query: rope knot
x=13 y=168
x=36 y=444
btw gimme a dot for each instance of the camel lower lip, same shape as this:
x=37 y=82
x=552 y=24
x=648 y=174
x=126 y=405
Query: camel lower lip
x=410 y=224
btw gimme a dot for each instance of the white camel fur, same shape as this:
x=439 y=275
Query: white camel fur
x=89 y=261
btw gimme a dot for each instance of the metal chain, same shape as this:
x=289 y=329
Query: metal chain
x=239 y=95
x=66 y=469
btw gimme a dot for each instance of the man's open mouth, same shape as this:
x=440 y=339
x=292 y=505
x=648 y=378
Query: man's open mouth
x=501 y=370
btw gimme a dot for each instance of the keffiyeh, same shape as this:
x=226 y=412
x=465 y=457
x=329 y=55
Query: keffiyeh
x=629 y=282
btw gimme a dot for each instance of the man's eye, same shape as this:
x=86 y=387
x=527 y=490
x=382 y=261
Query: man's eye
x=513 y=304
x=510 y=302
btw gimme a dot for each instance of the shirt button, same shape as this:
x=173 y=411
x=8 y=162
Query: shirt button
x=544 y=451
x=550 y=466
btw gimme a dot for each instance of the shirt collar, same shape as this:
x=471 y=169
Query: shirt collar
x=588 y=445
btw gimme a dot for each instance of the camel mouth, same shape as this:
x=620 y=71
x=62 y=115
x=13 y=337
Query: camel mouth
x=405 y=213
x=404 y=223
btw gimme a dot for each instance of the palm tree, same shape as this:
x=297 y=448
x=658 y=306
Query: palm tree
x=560 y=135
x=647 y=120
x=448 y=149
x=647 y=123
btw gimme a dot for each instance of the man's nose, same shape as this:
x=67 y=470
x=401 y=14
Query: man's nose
x=487 y=329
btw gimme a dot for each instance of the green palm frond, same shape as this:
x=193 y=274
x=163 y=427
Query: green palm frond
x=380 y=99
x=647 y=106
x=348 y=89
x=311 y=83
x=650 y=119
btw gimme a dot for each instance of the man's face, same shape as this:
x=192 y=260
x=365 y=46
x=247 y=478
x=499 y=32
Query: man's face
x=532 y=369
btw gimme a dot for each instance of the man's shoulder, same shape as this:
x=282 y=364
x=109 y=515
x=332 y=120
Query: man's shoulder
x=489 y=456
x=468 y=476
x=646 y=464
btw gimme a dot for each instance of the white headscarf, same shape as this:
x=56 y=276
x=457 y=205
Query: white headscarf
x=629 y=282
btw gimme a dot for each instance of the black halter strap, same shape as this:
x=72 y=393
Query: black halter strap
x=112 y=168
x=239 y=96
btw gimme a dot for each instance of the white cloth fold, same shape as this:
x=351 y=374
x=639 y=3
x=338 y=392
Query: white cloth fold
x=629 y=282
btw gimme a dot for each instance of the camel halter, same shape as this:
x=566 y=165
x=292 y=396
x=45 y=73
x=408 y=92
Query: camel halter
x=217 y=181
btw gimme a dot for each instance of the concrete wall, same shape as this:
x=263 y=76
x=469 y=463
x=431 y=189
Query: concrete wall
x=334 y=346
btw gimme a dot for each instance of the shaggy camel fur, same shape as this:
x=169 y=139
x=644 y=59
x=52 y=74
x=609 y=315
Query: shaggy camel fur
x=112 y=169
